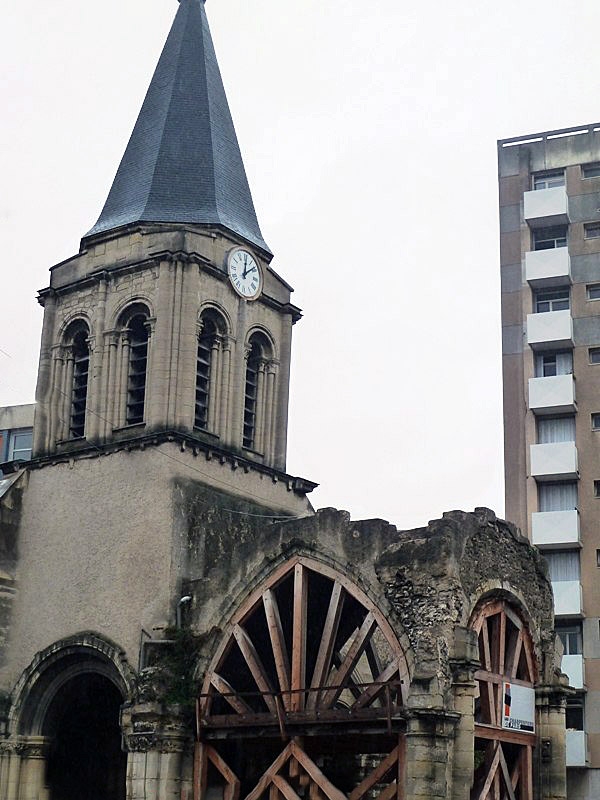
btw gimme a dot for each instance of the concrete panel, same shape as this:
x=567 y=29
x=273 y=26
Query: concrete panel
x=512 y=339
x=549 y=330
x=591 y=640
x=544 y=207
x=555 y=529
x=510 y=247
x=511 y=278
x=584 y=208
x=508 y=161
x=592 y=709
x=12 y=417
x=573 y=667
x=585 y=268
x=554 y=461
x=576 y=748
x=552 y=395
x=510 y=218
x=548 y=267
x=567 y=598
x=586 y=330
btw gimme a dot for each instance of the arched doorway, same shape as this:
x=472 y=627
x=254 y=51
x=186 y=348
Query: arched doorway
x=305 y=695
x=504 y=704
x=85 y=760
x=68 y=703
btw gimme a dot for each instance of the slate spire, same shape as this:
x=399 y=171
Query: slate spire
x=183 y=162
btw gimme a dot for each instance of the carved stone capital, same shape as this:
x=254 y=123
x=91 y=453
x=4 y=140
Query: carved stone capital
x=32 y=747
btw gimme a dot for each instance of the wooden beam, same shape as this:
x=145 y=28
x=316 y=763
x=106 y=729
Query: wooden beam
x=215 y=758
x=229 y=694
x=328 y=637
x=354 y=653
x=389 y=792
x=506 y=775
x=501 y=642
x=280 y=654
x=315 y=773
x=376 y=776
x=503 y=735
x=372 y=691
x=299 y=638
x=267 y=777
x=285 y=789
x=255 y=666
x=200 y=771
x=487 y=657
x=491 y=773
x=516 y=656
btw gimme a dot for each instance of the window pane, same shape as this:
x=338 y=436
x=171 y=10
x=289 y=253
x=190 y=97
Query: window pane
x=19 y=448
x=563 y=565
x=552 y=300
x=558 y=429
x=593 y=291
x=592 y=230
x=596 y=421
x=594 y=353
x=591 y=170
x=548 y=180
x=557 y=496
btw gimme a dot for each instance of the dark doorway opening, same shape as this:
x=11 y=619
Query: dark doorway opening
x=85 y=761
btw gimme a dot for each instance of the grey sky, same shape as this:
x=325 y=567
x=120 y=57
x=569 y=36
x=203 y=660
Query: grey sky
x=368 y=132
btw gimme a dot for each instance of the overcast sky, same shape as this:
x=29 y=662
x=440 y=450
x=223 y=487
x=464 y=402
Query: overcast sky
x=368 y=130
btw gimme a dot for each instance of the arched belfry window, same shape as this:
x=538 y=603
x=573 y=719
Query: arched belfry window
x=504 y=704
x=81 y=367
x=305 y=660
x=137 y=330
x=259 y=395
x=72 y=381
x=212 y=373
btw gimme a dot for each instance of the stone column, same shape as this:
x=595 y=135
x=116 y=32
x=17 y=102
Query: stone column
x=42 y=440
x=260 y=408
x=109 y=397
x=550 y=773
x=225 y=405
x=55 y=404
x=67 y=396
x=158 y=741
x=150 y=326
x=158 y=385
x=271 y=414
x=122 y=379
x=32 y=783
x=214 y=387
x=95 y=408
x=429 y=738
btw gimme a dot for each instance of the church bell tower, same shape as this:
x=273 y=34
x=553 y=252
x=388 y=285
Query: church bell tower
x=169 y=322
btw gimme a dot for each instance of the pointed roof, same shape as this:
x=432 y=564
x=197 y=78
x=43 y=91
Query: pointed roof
x=183 y=162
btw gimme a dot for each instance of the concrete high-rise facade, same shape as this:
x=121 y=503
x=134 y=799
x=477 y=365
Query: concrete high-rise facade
x=550 y=267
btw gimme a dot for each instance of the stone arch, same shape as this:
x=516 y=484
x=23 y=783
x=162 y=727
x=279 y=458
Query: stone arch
x=219 y=313
x=52 y=667
x=306 y=648
x=264 y=337
x=125 y=308
x=505 y=709
x=71 y=322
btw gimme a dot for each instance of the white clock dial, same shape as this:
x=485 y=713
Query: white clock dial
x=244 y=274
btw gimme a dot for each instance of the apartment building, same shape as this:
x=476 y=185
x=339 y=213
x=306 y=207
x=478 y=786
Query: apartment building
x=550 y=267
x=16 y=432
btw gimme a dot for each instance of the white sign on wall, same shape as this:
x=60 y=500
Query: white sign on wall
x=518 y=708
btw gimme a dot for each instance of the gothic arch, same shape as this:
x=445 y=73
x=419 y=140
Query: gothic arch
x=53 y=667
x=304 y=658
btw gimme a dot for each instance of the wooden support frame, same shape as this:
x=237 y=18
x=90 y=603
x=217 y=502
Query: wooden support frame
x=507 y=656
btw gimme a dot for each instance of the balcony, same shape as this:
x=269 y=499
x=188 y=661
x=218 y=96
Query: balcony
x=556 y=461
x=552 y=395
x=544 y=207
x=576 y=748
x=567 y=598
x=548 y=267
x=573 y=667
x=555 y=529
x=550 y=330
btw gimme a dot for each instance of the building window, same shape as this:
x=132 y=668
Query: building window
x=204 y=372
x=563 y=565
x=19 y=445
x=251 y=395
x=136 y=377
x=591 y=230
x=593 y=291
x=570 y=636
x=556 y=429
x=596 y=488
x=551 y=300
x=559 y=496
x=550 y=238
x=549 y=364
x=81 y=364
x=549 y=180
x=594 y=355
x=591 y=170
x=596 y=421
x=574 y=714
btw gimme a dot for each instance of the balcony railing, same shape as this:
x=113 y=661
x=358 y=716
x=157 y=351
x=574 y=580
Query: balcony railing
x=545 y=207
x=555 y=529
x=576 y=748
x=554 y=461
x=572 y=665
x=567 y=598
x=552 y=395
x=548 y=267
x=549 y=330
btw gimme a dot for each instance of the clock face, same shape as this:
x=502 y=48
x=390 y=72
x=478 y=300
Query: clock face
x=244 y=274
